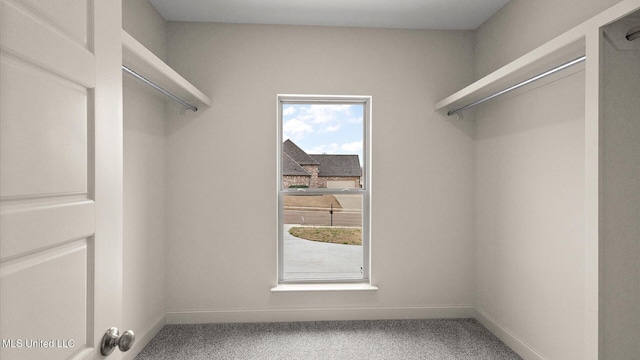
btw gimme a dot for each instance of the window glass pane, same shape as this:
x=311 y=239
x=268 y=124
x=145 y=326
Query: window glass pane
x=322 y=145
x=322 y=236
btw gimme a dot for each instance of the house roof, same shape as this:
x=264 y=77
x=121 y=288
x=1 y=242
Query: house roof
x=338 y=165
x=293 y=158
x=298 y=155
x=291 y=168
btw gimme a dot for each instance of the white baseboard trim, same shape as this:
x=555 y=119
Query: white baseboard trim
x=322 y=314
x=507 y=337
x=143 y=339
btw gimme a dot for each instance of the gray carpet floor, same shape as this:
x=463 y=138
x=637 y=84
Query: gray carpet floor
x=455 y=339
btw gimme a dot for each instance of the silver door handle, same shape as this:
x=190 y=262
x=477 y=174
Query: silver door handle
x=112 y=338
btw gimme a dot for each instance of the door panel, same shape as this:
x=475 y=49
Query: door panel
x=68 y=15
x=44 y=142
x=55 y=282
x=60 y=177
x=58 y=222
x=33 y=38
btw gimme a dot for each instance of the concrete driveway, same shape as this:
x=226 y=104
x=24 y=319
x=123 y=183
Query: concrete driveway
x=305 y=259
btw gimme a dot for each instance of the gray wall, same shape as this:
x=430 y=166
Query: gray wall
x=620 y=245
x=142 y=21
x=529 y=216
x=522 y=25
x=530 y=266
x=144 y=185
x=222 y=222
x=490 y=214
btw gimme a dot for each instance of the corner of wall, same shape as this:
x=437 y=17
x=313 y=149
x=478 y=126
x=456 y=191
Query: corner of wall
x=143 y=339
x=144 y=186
x=142 y=21
x=521 y=26
x=506 y=336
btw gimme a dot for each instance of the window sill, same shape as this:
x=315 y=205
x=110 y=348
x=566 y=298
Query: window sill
x=323 y=287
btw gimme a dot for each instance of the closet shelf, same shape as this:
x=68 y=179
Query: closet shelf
x=139 y=59
x=562 y=49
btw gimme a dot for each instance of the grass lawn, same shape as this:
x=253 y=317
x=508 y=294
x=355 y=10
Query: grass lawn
x=313 y=201
x=335 y=235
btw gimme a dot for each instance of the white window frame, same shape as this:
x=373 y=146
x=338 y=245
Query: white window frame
x=365 y=190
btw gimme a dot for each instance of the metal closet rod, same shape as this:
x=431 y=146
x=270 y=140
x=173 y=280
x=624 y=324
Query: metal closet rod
x=160 y=89
x=526 y=82
x=633 y=35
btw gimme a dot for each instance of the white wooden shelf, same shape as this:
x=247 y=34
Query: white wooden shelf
x=139 y=59
x=560 y=50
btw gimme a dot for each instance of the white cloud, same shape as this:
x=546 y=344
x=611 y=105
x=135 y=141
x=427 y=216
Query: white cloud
x=331 y=128
x=289 y=110
x=355 y=146
x=325 y=149
x=351 y=148
x=296 y=129
x=305 y=122
x=322 y=114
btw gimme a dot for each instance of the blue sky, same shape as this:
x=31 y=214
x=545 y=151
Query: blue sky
x=324 y=128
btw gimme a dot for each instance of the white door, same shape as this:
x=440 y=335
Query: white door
x=60 y=177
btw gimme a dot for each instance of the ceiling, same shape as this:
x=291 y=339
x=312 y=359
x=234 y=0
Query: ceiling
x=400 y=14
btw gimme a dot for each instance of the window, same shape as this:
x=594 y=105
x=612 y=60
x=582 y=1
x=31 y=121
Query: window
x=323 y=202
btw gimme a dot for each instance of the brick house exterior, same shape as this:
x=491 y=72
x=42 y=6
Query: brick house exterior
x=318 y=171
